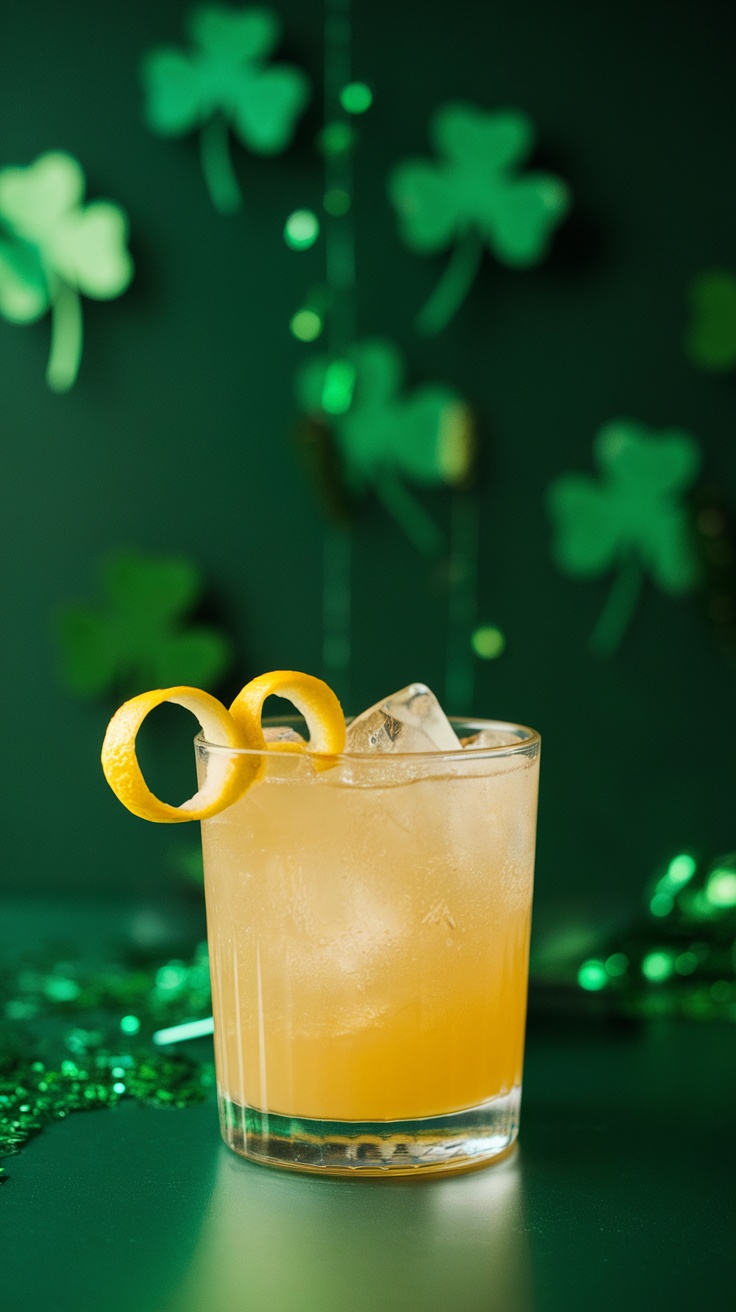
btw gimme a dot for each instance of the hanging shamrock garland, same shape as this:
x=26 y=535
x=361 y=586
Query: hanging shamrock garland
x=54 y=248
x=225 y=85
x=386 y=438
x=475 y=195
x=139 y=637
x=711 y=337
x=361 y=433
x=634 y=519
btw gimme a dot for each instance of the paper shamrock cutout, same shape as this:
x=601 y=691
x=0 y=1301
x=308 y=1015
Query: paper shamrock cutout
x=223 y=85
x=474 y=195
x=52 y=248
x=711 y=337
x=139 y=636
x=632 y=519
x=386 y=437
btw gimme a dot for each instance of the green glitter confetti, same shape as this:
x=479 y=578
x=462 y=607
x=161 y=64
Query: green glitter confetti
x=682 y=964
x=102 y=1067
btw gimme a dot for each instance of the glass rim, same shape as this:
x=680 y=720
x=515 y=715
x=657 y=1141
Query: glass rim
x=531 y=738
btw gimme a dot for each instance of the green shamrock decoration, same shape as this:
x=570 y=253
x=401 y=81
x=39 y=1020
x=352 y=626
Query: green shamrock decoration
x=139 y=638
x=52 y=248
x=224 y=85
x=632 y=519
x=711 y=337
x=473 y=195
x=386 y=438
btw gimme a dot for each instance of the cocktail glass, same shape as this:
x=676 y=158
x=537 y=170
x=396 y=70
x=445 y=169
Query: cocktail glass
x=368 y=922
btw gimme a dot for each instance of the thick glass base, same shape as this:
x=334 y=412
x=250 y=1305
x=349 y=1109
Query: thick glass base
x=432 y=1145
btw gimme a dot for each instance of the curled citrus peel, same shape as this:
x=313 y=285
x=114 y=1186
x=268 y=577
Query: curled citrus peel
x=313 y=698
x=229 y=774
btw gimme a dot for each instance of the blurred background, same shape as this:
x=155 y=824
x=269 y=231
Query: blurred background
x=186 y=444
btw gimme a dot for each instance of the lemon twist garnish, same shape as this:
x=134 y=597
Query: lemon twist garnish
x=228 y=775
x=313 y=698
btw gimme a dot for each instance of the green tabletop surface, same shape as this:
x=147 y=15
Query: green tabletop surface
x=620 y=1196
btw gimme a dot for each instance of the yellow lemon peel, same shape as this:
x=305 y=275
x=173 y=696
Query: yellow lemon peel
x=228 y=775
x=312 y=697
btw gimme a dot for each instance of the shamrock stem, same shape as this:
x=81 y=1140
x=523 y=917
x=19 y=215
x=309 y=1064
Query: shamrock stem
x=453 y=286
x=410 y=516
x=618 y=610
x=217 y=166
x=66 y=339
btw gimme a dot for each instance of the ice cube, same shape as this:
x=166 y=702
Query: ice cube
x=281 y=733
x=491 y=738
x=409 y=721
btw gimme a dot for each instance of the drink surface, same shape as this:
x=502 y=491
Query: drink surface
x=369 y=936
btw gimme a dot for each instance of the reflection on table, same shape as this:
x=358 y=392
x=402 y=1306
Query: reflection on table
x=273 y=1240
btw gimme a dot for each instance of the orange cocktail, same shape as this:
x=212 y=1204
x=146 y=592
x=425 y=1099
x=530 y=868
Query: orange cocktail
x=369 y=936
x=368 y=902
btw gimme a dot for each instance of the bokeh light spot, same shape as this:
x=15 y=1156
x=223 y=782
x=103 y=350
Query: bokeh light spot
x=336 y=139
x=130 y=1024
x=338 y=387
x=172 y=977
x=617 y=964
x=681 y=868
x=306 y=325
x=356 y=98
x=661 y=904
x=488 y=642
x=721 y=888
x=61 y=989
x=686 y=963
x=592 y=975
x=301 y=230
x=657 y=966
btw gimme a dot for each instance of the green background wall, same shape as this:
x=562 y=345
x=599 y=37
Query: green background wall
x=175 y=438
